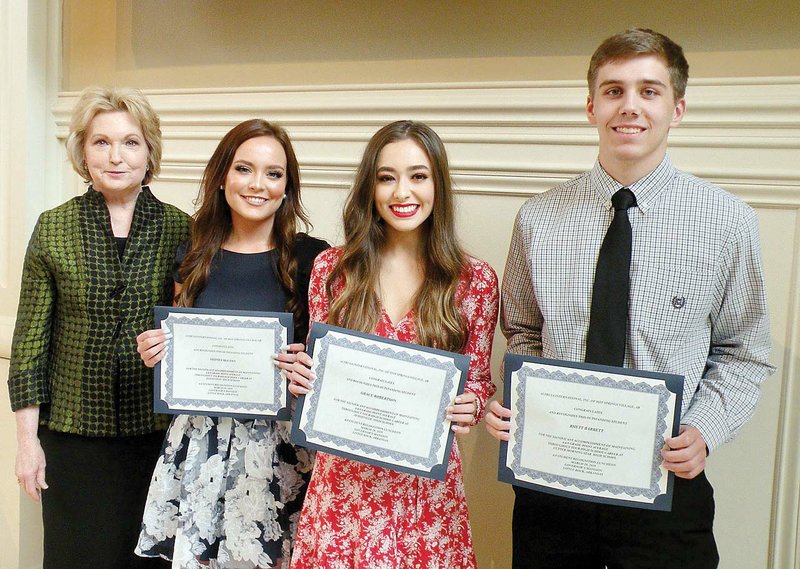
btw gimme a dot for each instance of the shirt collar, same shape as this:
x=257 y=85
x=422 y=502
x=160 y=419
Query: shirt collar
x=646 y=189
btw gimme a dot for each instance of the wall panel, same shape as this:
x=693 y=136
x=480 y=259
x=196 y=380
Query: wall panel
x=28 y=40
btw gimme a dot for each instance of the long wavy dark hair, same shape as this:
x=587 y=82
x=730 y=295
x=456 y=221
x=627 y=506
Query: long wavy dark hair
x=357 y=306
x=212 y=222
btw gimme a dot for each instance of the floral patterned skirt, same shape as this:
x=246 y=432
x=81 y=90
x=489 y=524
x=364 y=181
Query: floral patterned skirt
x=225 y=493
x=359 y=516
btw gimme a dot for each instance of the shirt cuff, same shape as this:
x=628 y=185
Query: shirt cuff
x=710 y=423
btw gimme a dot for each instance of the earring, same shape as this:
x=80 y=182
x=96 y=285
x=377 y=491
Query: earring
x=221 y=188
x=284 y=197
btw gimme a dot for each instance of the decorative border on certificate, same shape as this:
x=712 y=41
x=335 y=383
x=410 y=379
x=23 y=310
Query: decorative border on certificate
x=360 y=412
x=274 y=328
x=599 y=431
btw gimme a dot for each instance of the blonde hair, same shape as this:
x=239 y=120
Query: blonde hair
x=95 y=100
x=357 y=306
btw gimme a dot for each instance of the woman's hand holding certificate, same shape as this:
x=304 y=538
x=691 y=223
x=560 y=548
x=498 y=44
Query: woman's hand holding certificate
x=379 y=401
x=217 y=362
x=152 y=345
x=300 y=375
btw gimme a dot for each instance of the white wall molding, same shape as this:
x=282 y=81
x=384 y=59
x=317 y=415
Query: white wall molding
x=764 y=102
x=503 y=138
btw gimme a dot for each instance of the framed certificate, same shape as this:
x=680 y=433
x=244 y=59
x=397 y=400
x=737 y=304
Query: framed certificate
x=379 y=401
x=219 y=363
x=590 y=432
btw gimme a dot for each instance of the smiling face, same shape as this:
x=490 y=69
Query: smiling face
x=256 y=183
x=633 y=106
x=116 y=153
x=404 y=187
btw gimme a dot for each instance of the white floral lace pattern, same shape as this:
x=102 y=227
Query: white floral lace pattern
x=225 y=494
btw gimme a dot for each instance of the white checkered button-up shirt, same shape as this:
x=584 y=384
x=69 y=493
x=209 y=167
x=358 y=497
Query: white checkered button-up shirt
x=697 y=301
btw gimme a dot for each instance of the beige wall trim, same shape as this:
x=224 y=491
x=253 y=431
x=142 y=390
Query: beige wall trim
x=785 y=542
x=508 y=130
x=29 y=67
x=30 y=33
x=723 y=103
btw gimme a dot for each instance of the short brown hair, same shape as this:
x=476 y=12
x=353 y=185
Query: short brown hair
x=642 y=41
x=94 y=100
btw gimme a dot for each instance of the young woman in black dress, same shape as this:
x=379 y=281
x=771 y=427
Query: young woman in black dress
x=228 y=492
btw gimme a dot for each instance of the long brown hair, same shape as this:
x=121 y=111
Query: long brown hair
x=357 y=306
x=212 y=222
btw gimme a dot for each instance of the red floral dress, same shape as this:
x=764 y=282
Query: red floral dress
x=361 y=516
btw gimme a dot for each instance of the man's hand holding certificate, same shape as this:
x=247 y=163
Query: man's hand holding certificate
x=590 y=432
x=379 y=401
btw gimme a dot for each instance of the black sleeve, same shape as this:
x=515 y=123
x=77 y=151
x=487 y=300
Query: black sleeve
x=306 y=249
x=180 y=253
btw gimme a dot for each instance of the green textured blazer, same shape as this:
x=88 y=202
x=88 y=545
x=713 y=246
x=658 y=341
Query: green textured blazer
x=80 y=309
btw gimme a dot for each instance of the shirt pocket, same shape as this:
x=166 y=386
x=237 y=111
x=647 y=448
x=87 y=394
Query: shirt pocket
x=670 y=302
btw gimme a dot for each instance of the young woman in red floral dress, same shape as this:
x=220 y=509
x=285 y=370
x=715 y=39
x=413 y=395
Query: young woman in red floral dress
x=401 y=274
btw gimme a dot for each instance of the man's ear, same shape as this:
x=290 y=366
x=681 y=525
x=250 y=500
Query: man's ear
x=590 y=110
x=678 y=112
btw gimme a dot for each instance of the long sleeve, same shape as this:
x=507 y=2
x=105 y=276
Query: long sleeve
x=306 y=249
x=81 y=306
x=318 y=306
x=479 y=306
x=740 y=343
x=28 y=376
x=521 y=319
x=697 y=302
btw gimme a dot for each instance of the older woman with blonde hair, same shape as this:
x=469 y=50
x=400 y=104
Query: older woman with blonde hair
x=95 y=267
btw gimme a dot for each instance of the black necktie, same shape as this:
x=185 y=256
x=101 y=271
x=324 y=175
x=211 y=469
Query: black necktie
x=608 y=320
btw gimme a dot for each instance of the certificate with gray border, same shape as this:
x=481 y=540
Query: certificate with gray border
x=219 y=363
x=379 y=401
x=590 y=432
